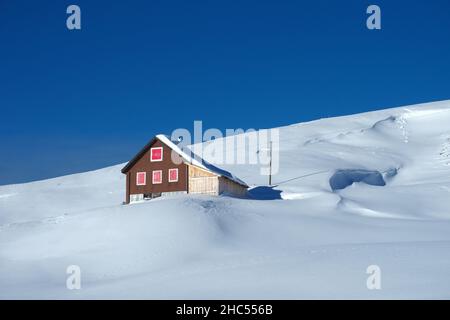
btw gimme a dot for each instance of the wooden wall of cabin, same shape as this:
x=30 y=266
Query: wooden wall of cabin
x=145 y=165
x=232 y=188
x=202 y=182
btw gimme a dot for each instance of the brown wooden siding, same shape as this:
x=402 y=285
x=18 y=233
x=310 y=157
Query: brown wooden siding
x=127 y=197
x=143 y=164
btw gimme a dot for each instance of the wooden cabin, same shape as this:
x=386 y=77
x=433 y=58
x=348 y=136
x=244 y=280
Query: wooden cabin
x=161 y=168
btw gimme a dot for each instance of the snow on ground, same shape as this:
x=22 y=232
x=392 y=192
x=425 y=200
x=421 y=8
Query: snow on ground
x=304 y=240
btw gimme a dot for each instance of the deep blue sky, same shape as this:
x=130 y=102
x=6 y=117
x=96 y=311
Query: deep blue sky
x=78 y=100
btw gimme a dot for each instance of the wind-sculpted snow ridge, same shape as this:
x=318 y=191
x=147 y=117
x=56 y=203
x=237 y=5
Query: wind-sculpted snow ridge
x=302 y=237
x=344 y=178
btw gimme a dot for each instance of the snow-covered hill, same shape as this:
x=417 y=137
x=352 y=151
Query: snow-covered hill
x=316 y=241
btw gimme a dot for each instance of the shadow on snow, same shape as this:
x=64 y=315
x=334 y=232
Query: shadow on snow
x=264 y=193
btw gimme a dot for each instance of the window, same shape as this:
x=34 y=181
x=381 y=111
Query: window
x=141 y=178
x=156 y=154
x=173 y=175
x=157 y=177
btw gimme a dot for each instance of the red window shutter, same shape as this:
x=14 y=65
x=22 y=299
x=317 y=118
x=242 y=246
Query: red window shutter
x=140 y=178
x=173 y=175
x=157 y=177
x=156 y=154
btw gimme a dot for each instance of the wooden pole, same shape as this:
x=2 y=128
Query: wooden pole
x=270 y=165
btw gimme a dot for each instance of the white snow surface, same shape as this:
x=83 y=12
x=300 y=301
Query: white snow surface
x=310 y=243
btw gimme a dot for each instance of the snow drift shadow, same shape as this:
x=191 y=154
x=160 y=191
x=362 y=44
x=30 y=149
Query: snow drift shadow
x=264 y=193
x=344 y=178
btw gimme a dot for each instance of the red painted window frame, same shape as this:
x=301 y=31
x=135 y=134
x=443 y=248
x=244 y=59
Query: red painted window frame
x=137 y=178
x=151 y=154
x=153 y=177
x=170 y=180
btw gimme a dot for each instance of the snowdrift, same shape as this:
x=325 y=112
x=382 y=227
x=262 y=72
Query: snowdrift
x=352 y=191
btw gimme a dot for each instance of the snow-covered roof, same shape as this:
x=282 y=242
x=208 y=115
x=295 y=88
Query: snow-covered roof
x=189 y=157
x=195 y=160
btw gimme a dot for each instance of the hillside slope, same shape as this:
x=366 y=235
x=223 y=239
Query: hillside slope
x=315 y=241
